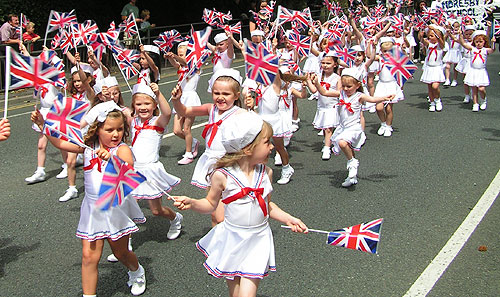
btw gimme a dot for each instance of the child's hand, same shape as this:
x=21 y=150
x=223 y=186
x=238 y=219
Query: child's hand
x=155 y=89
x=141 y=48
x=390 y=97
x=249 y=100
x=169 y=55
x=90 y=53
x=493 y=39
x=182 y=202
x=37 y=118
x=77 y=57
x=103 y=153
x=176 y=92
x=296 y=225
x=4 y=129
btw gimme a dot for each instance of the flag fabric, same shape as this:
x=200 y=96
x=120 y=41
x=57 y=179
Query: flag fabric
x=28 y=71
x=234 y=29
x=66 y=42
x=129 y=26
x=64 y=116
x=24 y=21
x=399 y=64
x=166 y=40
x=301 y=43
x=59 y=20
x=496 y=27
x=215 y=18
x=260 y=64
x=56 y=40
x=118 y=181
x=84 y=32
x=288 y=15
x=363 y=237
x=397 y=21
x=346 y=54
x=268 y=10
x=124 y=58
x=379 y=10
x=197 y=49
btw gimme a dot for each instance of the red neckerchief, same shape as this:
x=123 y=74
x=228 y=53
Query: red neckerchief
x=477 y=54
x=346 y=104
x=284 y=97
x=215 y=58
x=95 y=160
x=244 y=192
x=433 y=50
x=79 y=96
x=215 y=127
x=325 y=85
x=146 y=126
x=141 y=76
x=258 y=95
x=43 y=91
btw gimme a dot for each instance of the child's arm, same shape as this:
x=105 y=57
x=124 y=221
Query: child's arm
x=85 y=81
x=322 y=91
x=366 y=98
x=370 y=51
x=208 y=204
x=235 y=42
x=36 y=117
x=188 y=111
x=72 y=59
x=299 y=94
x=461 y=41
x=355 y=29
x=166 y=112
x=105 y=71
x=230 y=47
x=211 y=47
x=124 y=152
x=310 y=84
x=151 y=63
x=492 y=48
x=383 y=31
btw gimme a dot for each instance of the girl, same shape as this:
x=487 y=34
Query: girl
x=106 y=137
x=241 y=248
x=432 y=73
x=477 y=76
x=464 y=63
x=349 y=135
x=326 y=114
x=223 y=54
x=454 y=54
x=147 y=131
x=226 y=102
x=148 y=64
x=94 y=66
x=182 y=125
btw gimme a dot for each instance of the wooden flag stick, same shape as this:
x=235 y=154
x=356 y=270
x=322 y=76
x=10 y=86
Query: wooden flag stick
x=7 y=80
x=118 y=64
x=310 y=230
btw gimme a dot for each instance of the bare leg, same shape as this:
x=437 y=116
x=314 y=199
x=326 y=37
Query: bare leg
x=328 y=135
x=381 y=112
x=91 y=253
x=389 y=115
x=158 y=210
x=42 y=147
x=280 y=148
x=188 y=136
x=243 y=287
x=124 y=255
x=346 y=149
x=71 y=161
x=370 y=83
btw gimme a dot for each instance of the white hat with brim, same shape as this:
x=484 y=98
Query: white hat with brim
x=98 y=86
x=152 y=49
x=439 y=28
x=353 y=72
x=357 y=48
x=386 y=39
x=220 y=37
x=470 y=27
x=240 y=130
x=233 y=73
x=85 y=67
x=101 y=111
x=142 y=88
x=479 y=32
x=110 y=81
x=257 y=33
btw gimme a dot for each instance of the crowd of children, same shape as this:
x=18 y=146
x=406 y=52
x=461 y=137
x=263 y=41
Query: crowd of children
x=239 y=140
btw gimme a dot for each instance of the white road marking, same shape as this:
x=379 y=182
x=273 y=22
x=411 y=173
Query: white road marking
x=426 y=281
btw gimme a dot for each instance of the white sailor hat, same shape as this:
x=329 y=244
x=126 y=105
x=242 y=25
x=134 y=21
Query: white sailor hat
x=353 y=72
x=110 y=81
x=240 y=130
x=142 y=88
x=220 y=37
x=257 y=33
x=152 y=48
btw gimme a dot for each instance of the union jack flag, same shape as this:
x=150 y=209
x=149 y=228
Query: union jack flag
x=215 y=18
x=118 y=181
x=363 y=237
x=64 y=116
x=401 y=67
x=372 y=22
x=84 y=32
x=107 y=38
x=124 y=58
x=496 y=27
x=28 y=71
x=419 y=22
x=24 y=21
x=166 y=40
x=129 y=26
x=428 y=13
x=235 y=29
x=48 y=57
x=378 y=10
x=292 y=65
x=268 y=10
x=259 y=23
x=56 y=40
x=66 y=41
x=197 y=49
x=59 y=20
x=288 y=15
x=98 y=48
x=301 y=43
x=347 y=55
x=397 y=21
x=260 y=65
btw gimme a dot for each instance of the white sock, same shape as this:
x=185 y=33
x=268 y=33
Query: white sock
x=188 y=155
x=73 y=188
x=130 y=243
x=40 y=169
x=138 y=272
x=285 y=167
x=89 y=295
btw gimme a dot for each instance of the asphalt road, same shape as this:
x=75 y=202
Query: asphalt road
x=423 y=181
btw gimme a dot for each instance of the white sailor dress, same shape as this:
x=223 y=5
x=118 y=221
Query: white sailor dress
x=146 y=141
x=464 y=63
x=269 y=111
x=387 y=85
x=433 y=70
x=454 y=53
x=349 y=128
x=477 y=76
x=145 y=76
x=326 y=112
x=312 y=64
x=214 y=149
x=220 y=61
x=242 y=245
x=189 y=95
x=114 y=223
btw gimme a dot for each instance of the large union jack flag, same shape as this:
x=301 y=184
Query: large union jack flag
x=215 y=18
x=288 y=15
x=400 y=66
x=64 y=116
x=118 y=181
x=59 y=20
x=28 y=71
x=167 y=39
x=124 y=58
x=379 y=10
x=67 y=41
x=129 y=26
x=363 y=237
x=84 y=32
x=301 y=43
x=197 y=50
x=260 y=65
x=234 y=29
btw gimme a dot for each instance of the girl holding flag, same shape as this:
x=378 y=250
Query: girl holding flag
x=105 y=138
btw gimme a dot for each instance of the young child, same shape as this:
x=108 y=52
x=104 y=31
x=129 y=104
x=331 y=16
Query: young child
x=147 y=129
x=454 y=53
x=94 y=66
x=477 y=76
x=105 y=136
x=432 y=73
x=226 y=101
x=223 y=54
x=30 y=35
x=464 y=63
x=148 y=65
x=326 y=118
x=182 y=125
x=349 y=135
x=241 y=248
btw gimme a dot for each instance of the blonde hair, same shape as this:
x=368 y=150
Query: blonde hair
x=155 y=112
x=354 y=81
x=91 y=137
x=385 y=46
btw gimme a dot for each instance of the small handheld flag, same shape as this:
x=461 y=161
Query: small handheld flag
x=260 y=65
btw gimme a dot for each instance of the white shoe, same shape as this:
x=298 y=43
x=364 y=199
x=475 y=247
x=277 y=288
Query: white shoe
x=388 y=131
x=286 y=140
x=112 y=258
x=484 y=104
x=454 y=83
x=137 y=284
x=381 y=130
x=446 y=83
x=349 y=182
x=175 y=227
x=466 y=99
x=352 y=166
x=295 y=127
x=321 y=133
x=439 y=104
x=70 y=194
x=327 y=153
x=432 y=107
x=277 y=159
x=38 y=176
x=79 y=160
x=313 y=97
x=376 y=78
x=475 y=107
x=286 y=174
x=64 y=172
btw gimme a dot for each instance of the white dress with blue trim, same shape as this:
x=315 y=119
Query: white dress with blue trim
x=349 y=129
x=326 y=112
x=242 y=245
x=433 y=70
x=269 y=111
x=477 y=76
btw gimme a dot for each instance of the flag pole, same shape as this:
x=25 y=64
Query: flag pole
x=138 y=32
x=7 y=80
x=160 y=189
x=21 y=29
x=65 y=135
x=310 y=230
x=118 y=64
x=47 y=30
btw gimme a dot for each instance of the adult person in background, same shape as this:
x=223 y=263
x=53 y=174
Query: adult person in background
x=8 y=33
x=419 y=51
x=131 y=8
